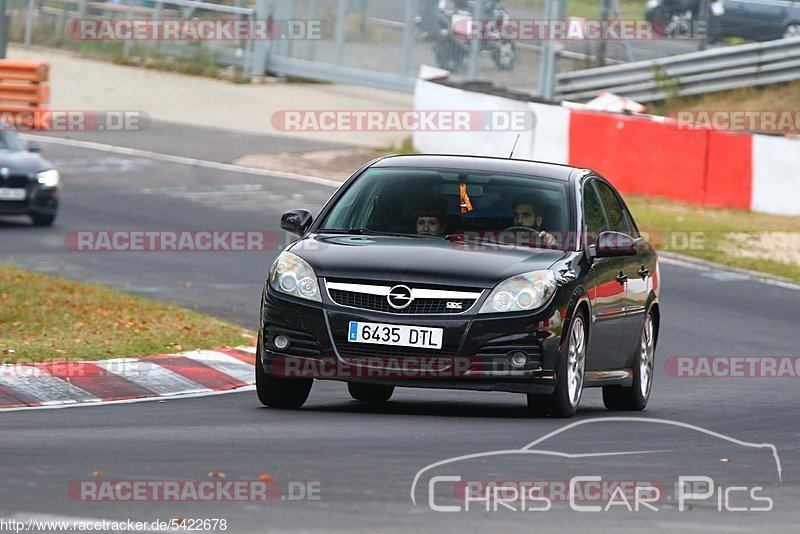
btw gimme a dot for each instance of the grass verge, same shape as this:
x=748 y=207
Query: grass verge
x=48 y=318
x=720 y=235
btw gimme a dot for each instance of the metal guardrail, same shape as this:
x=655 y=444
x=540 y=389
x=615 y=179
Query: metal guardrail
x=695 y=73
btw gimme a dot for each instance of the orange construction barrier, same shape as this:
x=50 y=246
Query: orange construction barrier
x=24 y=91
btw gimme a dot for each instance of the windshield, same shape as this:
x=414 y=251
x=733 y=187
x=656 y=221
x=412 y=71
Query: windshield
x=448 y=203
x=9 y=141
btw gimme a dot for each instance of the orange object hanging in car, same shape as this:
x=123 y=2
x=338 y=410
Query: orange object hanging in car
x=466 y=203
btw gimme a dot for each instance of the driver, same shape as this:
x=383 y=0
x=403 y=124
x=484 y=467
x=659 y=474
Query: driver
x=430 y=217
x=527 y=215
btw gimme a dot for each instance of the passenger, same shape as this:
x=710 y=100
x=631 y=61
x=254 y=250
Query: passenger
x=430 y=217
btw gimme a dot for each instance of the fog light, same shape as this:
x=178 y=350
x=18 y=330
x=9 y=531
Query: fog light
x=280 y=342
x=519 y=359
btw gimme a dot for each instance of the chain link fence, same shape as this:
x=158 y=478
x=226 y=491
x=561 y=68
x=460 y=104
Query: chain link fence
x=379 y=43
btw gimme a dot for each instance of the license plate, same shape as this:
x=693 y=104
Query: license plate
x=12 y=193
x=390 y=334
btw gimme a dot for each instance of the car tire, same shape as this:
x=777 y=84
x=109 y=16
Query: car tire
x=370 y=392
x=635 y=397
x=570 y=376
x=43 y=220
x=276 y=392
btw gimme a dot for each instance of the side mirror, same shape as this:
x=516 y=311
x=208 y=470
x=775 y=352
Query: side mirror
x=296 y=221
x=614 y=244
x=34 y=146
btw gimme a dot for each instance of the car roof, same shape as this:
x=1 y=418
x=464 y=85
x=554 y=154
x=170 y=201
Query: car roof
x=481 y=164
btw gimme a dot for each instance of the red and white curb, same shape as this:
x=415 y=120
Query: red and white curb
x=123 y=379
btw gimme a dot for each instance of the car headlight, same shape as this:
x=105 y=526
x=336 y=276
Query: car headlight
x=49 y=178
x=292 y=275
x=650 y=4
x=526 y=291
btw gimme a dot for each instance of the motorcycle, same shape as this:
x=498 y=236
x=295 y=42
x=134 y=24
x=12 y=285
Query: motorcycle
x=672 y=18
x=453 y=40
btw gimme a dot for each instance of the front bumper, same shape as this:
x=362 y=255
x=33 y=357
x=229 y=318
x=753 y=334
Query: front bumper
x=39 y=200
x=475 y=352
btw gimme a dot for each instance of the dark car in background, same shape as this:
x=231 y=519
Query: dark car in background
x=544 y=310
x=29 y=184
x=757 y=20
x=760 y=20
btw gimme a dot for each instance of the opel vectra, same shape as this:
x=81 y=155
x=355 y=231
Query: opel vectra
x=464 y=272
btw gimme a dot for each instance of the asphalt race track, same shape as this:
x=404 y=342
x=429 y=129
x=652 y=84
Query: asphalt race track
x=363 y=459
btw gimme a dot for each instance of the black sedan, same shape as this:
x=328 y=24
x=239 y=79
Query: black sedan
x=29 y=185
x=760 y=20
x=468 y=273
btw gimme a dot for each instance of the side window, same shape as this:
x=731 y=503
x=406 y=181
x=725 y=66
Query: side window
x=619 y=220
x=593 y=213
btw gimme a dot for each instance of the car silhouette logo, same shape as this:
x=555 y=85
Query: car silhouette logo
x=399 y=297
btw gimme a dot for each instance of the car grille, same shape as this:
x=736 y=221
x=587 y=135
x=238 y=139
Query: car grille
x=13 y=205
x=392 y=357
x=373 y=298
x=15 y=180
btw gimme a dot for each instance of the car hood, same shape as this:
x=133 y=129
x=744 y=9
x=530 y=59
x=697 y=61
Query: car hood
x=419 y=260
x=22 y=162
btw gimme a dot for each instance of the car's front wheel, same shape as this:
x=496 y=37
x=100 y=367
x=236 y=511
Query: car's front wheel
x=563 y=402
x=370 y=392
x=277 y=392
x=635 y=397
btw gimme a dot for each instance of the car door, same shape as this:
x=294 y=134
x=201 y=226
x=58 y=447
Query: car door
x=767 y=18
x=734 y=22
x=606 y=292
x=635 y=284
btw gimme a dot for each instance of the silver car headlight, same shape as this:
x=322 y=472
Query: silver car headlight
x=49 y=178
x=292 y=275
x=650 y=4
x=526 y=291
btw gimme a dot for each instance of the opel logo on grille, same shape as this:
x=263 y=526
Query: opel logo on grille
x=399 y=297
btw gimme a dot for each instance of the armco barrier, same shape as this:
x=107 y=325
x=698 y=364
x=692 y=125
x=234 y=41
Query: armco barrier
x=642 y=155
x=23 y=89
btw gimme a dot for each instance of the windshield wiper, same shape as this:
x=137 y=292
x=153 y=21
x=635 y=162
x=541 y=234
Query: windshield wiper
x=367 y=231
x=486 y=239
